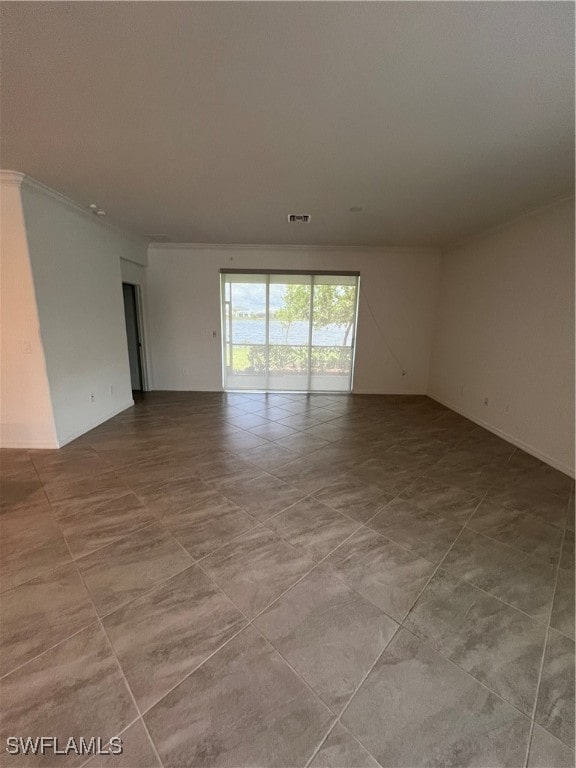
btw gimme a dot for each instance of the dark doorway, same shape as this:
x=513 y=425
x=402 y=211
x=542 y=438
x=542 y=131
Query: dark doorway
x=133 y=335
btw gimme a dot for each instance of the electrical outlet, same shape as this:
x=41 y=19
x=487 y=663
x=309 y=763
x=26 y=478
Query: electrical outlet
x=27 y=347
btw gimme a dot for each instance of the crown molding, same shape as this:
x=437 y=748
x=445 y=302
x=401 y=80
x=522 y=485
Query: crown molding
x=37 y=186
x=502 y=226
x=15 y=178
x=369 y=249
x=11 y=178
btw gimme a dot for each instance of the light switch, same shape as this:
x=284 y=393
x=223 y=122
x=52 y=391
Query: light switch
x=27 y=347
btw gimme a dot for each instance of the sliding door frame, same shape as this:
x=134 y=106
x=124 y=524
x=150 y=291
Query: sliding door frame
x=226 y=332
x=310 y=332
x=329 y=272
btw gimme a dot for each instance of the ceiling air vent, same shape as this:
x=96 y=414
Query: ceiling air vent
x=298 y=218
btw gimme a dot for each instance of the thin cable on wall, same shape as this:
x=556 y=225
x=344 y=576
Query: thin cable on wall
x=377 y=324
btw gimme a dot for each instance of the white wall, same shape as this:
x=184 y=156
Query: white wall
x=132 y=273
x=26 y=408
x=76 y=269
x=398 y=289
x=505 y=331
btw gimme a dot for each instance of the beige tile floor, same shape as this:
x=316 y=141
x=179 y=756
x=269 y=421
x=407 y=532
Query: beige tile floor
x=288 y=580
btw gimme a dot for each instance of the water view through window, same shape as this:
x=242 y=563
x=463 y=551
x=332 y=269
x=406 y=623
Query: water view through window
x=285 y=332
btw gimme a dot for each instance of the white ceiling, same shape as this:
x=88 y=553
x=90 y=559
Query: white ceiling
x=211 y=121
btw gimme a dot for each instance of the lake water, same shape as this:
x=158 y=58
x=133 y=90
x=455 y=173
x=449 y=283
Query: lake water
x=254 y=332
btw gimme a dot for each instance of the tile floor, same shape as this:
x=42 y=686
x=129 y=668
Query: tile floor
x=288 y=580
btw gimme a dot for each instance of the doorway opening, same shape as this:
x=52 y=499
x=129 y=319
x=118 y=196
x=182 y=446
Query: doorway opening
x=134 y=335
x=288 y=331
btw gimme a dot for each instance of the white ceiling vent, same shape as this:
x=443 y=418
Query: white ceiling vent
x=298 y=218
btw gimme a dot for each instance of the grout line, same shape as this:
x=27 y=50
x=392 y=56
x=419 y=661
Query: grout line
x=361 y=683
x=150 y=589
x=528 y=555
x=124 y=536
x=136 y=720
x=545 y=646
x=56 y=567
x=198 y=666
x=92 y=621
x=124 y=678
x=308 y=572
x=434 y=572
x=323 y=740
x=541 y=622
x=468 y=674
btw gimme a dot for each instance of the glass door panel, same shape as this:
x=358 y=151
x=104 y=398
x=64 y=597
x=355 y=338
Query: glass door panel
x=245 y=332
x=289 y=335
x=333 y=332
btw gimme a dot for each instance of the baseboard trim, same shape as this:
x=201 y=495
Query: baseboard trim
x=327 y=392
x=508 y=437
x=37 y=445
x=76 y=434
x=409 y=393
x=186 y=389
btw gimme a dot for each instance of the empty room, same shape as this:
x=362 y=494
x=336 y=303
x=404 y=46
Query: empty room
x=287 y=384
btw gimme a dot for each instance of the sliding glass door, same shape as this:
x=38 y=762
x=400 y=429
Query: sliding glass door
x=288 y=331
